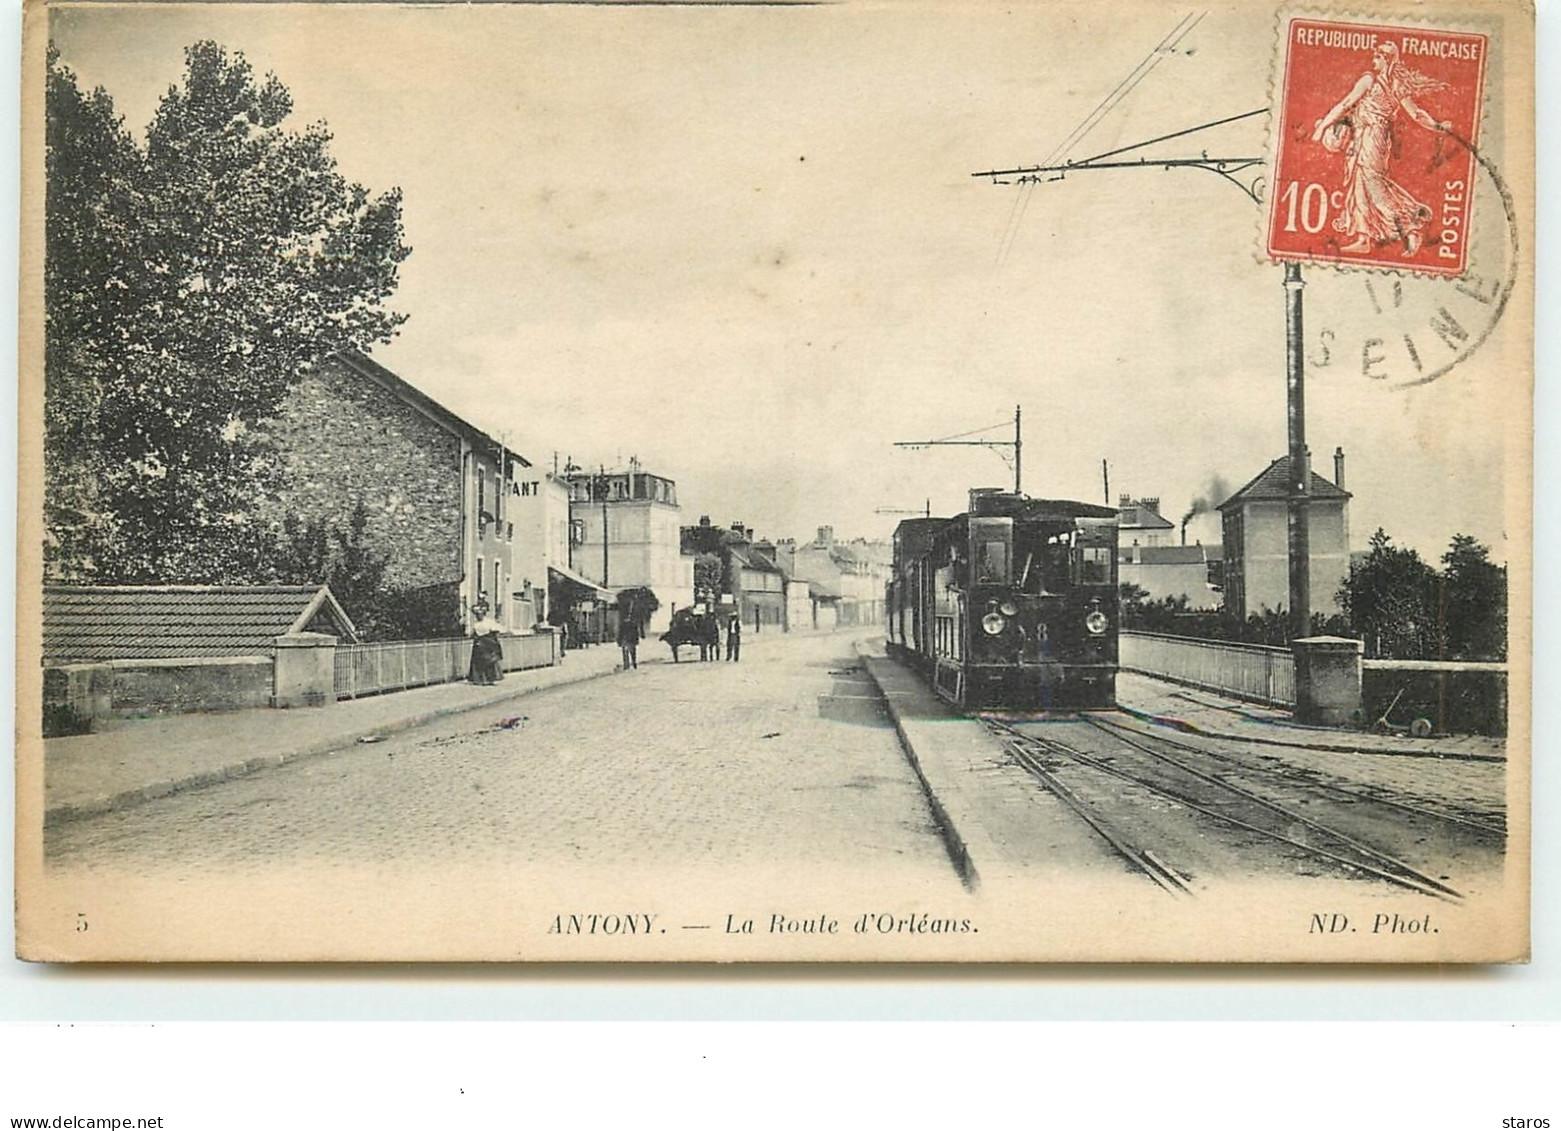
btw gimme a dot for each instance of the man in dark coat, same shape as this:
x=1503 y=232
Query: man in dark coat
x=734 y=638
x=629 y=640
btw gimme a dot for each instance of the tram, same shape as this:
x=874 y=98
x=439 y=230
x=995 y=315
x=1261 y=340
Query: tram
x=1010 y=605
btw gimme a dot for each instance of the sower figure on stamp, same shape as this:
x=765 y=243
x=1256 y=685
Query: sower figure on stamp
x=1377 y=210
x=734 y=638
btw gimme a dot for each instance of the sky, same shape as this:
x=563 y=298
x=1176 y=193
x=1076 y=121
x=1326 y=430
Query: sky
x=744 y=244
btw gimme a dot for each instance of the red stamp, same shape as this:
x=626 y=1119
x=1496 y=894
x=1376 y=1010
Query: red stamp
x=1377 y=129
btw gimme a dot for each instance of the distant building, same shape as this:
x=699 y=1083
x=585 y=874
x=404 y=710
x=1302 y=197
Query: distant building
x=626 y=533
x=1139 y=523
x=846 y=579
x=1257 y=549
x=752 y=584
x=1194 y=572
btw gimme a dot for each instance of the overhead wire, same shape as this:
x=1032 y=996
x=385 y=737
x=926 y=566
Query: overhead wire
x=1125 y=87
x=1169 y=43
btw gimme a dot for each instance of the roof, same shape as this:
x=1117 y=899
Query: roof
x=588 y=587
x=747 y=559
x=1274 y=484
x=1137 y=517
x=1037 y=510
x=91 y=623
x=1171 y=555
x=422 y=402
x=823 y=589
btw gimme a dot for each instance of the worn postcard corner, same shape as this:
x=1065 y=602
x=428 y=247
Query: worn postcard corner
x=783 y=483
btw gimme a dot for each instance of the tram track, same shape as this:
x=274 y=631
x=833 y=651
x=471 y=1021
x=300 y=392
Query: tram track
x=1488 y=825
x=1156 y=778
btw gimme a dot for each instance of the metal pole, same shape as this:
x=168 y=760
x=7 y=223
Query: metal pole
x=604 y=527
x=1105 y=480
x=1018 y=453
x=1300 y=483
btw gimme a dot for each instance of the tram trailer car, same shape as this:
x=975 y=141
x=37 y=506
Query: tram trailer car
x=1012 y=604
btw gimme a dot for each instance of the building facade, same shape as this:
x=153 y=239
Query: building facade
x=626 y=533
x=1194 y=572
x=1255 y=521
x=435 y=490
x=540 y=504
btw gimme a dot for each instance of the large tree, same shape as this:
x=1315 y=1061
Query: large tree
x=1390 y=599
x=1473 y=602
x=190 y=280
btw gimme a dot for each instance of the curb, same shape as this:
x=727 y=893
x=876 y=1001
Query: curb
x=1328 y=747
x=200 y=779
x=958 y=850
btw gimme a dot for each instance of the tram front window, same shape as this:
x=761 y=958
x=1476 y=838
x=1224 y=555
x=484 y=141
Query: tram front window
x=992 y=563
x=1094 y=565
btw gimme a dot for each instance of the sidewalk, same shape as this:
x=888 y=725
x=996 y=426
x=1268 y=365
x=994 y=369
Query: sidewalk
x=1203 y=712
x=137 y=760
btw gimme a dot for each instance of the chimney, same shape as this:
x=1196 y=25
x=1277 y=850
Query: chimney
x=1338 y=468
x=704 y=520
x=1124 y=501
x=1151 y=504
x=740 y=530
x=826 y=536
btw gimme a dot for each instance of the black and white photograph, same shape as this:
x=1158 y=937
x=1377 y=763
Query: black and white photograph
x=914 y=482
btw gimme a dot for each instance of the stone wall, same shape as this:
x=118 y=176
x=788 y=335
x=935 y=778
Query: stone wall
x=1456 y=698
x=76 y=694
x=345 y=438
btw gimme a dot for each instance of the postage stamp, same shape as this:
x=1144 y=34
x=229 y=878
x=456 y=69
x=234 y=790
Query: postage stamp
x=1376 y=159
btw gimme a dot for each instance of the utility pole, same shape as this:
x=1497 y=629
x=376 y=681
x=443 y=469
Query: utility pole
x=960 y=441
x=603 y=488
x=1297 y=505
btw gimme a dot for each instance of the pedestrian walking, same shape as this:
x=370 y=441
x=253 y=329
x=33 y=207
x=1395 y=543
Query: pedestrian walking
x=629 y=640
x=734 y=638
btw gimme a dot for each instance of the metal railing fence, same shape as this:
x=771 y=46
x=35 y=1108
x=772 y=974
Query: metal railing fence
x=396 y=665
x=1254 y=672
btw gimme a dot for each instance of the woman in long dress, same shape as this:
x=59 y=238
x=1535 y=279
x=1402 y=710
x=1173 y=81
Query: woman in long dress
x=1377 y=209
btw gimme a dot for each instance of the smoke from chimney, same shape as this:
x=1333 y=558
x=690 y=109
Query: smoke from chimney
x=1215 y=492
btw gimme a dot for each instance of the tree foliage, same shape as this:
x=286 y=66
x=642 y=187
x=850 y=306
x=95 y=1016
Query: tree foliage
x=1473 y=603
x=311 y=553
x=1391 y=602
x=189 y=281
x=709 y=574
x=638 y=603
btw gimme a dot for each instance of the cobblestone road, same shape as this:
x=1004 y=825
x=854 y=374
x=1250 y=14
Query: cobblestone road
x=786 y=758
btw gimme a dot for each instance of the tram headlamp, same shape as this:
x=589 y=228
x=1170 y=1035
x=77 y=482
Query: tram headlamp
x=1008 y=609
x=993 y=623
x=1096 y=623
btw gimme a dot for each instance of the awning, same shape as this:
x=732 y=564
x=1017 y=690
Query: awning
x=584 y=586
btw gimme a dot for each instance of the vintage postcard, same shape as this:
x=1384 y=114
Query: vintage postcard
x=776 y=482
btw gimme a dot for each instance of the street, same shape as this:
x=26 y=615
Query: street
x=784 y=758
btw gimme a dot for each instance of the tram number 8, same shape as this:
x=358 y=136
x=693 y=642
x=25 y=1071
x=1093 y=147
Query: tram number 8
x=1311 y=204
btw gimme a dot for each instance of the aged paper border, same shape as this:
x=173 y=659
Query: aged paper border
x=416 y=924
